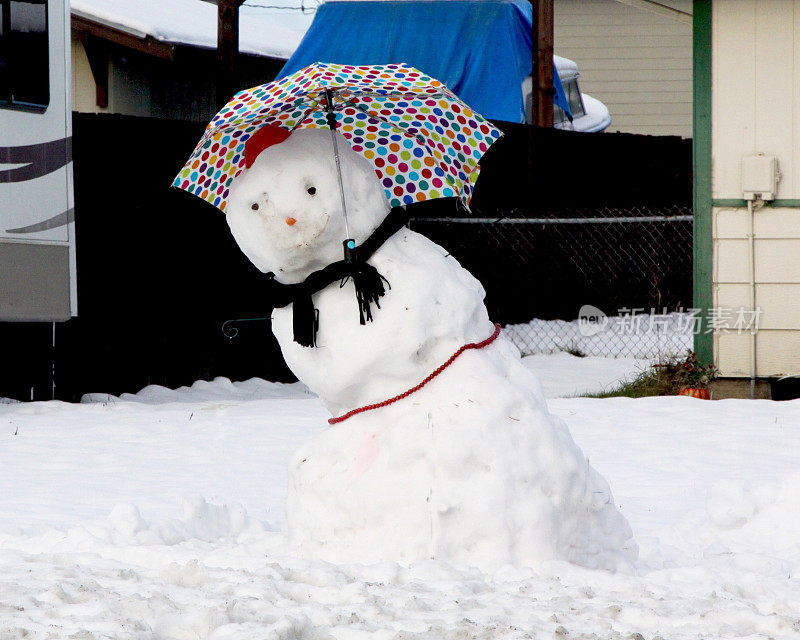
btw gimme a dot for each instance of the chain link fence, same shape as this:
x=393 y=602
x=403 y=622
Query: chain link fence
x=613 y=282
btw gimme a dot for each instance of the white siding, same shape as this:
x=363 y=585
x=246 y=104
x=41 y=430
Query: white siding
x=637 y=62
x=777 y=276
x=777 y=353
x=756 y=100
x=756 y=108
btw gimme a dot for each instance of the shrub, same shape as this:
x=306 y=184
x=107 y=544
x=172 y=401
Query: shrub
x=665 y=378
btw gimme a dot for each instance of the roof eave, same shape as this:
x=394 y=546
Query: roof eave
x=84 y=26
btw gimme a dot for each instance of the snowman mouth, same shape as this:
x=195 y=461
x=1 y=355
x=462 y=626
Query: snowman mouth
x=310 y=234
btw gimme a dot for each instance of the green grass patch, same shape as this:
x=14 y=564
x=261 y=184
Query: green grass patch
x=652 y=382
x=664 y=378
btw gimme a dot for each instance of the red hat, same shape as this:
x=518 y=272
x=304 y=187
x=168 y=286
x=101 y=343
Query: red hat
x=265 y=137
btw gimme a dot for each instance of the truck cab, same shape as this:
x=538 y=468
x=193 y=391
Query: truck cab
x=588 y=114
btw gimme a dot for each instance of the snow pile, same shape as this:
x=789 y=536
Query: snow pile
x=220 y=388
x=560 y=374
x=638 y=336
x=125 y=526
x=472 y=468
x=201 y=520
x=274 y=30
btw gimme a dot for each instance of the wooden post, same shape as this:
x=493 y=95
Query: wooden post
x=97 y=54
x=542 y=63
x=227 y=49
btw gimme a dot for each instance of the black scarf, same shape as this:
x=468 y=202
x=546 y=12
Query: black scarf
x=366 y=279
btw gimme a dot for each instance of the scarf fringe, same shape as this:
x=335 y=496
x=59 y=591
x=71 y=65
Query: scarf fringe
x=368 y=283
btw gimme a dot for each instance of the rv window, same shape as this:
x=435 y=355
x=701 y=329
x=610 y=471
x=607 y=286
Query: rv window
x=574 y=98
x=573 y=94
x=24 y=55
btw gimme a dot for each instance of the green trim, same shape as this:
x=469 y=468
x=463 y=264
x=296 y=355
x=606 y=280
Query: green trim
x=737 y=203
x=701 y=159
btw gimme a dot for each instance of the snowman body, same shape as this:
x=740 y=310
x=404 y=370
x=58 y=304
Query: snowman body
x=470 y=468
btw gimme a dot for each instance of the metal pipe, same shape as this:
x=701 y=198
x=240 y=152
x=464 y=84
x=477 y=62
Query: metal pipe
x=559 y=220
x=752 y=259
x=53 y=370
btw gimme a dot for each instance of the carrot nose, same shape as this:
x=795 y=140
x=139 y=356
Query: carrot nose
x=290 y=221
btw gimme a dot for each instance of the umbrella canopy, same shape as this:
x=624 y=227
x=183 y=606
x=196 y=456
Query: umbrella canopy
x=422 y=141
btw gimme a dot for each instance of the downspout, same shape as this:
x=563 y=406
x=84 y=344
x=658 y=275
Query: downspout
x=752 y=269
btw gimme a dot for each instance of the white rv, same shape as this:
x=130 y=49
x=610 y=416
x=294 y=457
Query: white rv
x=588 y=113
x=37 y=229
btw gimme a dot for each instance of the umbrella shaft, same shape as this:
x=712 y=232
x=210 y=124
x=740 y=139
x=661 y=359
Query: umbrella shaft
x=331 y=117
x=341 y=182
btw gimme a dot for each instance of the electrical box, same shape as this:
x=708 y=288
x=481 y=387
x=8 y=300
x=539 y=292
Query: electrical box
x=760 y=176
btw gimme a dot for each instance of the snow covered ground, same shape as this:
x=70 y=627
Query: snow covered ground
x=158 y=516
x=564 y=375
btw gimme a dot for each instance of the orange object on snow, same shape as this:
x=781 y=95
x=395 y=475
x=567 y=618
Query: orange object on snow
x=702 y=394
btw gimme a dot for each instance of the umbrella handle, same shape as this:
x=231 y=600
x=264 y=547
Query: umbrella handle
x=349 y=250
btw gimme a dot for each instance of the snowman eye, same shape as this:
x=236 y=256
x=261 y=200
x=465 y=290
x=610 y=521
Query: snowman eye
x=311 y=190
x=254 y=206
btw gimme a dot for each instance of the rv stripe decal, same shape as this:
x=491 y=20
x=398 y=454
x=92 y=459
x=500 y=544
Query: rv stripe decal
x=60 y=220
x=39 y=159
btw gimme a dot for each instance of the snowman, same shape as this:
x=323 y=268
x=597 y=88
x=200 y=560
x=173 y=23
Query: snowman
x=469 y=468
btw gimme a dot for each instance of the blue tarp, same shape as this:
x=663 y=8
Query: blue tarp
x=559 y=97
x=481 y=49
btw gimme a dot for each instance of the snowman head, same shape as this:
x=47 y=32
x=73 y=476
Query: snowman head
x=285 y=210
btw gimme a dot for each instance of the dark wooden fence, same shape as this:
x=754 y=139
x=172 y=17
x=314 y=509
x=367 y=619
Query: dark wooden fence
x=158 y=274
x=158 y=271
x=613 y=224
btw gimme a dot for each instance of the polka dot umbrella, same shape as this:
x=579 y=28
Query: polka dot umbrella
x=421 y=139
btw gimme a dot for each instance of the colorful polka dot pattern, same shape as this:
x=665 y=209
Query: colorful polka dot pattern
x=422 y=140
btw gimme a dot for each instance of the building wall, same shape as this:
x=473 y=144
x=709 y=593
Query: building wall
x=146 y=86
x=637 y=62
x=133 y=81
x=756 y=109
x=83 y=88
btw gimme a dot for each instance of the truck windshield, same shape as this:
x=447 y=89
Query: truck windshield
x=573 y=94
